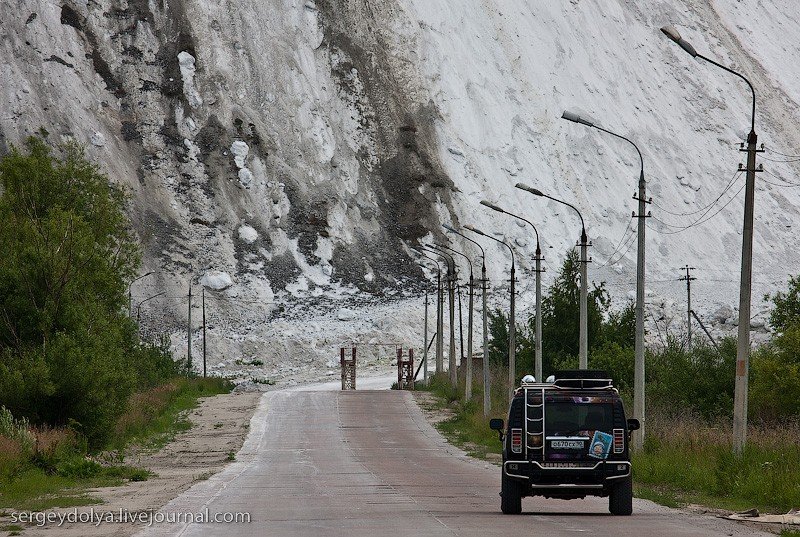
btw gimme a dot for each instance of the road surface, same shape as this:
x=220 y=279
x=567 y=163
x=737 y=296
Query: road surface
x=366 y=463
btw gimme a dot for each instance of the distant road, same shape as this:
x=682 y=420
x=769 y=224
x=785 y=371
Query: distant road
x=367 y=463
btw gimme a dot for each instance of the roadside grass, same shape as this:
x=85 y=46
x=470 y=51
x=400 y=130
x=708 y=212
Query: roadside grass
x=685 y=460
x=155 y=416
x=54 y=469
x=468 y=428
x=691 y=461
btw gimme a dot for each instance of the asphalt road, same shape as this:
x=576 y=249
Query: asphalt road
x=366 y=463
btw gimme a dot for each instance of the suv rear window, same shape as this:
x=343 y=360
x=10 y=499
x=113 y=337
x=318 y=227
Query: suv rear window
x=570 y=418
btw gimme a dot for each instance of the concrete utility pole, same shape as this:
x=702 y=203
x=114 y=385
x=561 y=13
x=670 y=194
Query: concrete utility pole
x=583 y=336
x=468 y=388
x=688 y=279
x=425 y=342
x=204 y=332
x=512 y=323
x=639 y=373
x=485 y=361
x=538 y=271
x=439 y=314
x=451 y=295
x=745 y=283
x=189 y=334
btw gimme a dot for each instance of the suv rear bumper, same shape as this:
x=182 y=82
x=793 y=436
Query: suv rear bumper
x=559 y=475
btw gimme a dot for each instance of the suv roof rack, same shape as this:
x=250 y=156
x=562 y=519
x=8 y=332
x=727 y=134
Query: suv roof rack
x=583 y=379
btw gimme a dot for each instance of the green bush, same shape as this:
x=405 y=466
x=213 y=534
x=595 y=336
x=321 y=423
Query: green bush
x=700 y=381
x=775 y=378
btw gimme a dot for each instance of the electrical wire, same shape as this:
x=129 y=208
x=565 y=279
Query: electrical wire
x=628 y=245
x=786 y=183
x=619 y=245
x=782 y=154
x=780 y=160
x=727 y=187
x=699 y=221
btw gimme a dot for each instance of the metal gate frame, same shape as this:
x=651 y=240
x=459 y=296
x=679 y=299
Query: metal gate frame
x=405 y=370
x=348 y=370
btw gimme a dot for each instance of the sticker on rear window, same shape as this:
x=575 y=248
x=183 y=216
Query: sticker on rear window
x=600 y=445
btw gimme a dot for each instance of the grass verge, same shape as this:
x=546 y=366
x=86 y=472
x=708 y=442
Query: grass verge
x=43 y=468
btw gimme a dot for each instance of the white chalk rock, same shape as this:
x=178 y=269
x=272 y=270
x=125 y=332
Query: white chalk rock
x=248 y=234
x=345 y=314
x=245 y=177
x=240 y=152
x=97 y=139
x=216 y=279
x=186 y=63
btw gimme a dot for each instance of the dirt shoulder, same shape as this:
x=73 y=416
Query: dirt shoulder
x=219 y=427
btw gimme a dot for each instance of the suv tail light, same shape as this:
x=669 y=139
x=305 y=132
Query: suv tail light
x=619 y=440
x=516 y=440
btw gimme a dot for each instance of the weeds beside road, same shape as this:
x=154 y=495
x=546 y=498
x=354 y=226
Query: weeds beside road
x=43 y=467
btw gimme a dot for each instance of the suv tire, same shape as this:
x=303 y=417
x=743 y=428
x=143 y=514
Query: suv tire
x=620 y=500
x=510 y=495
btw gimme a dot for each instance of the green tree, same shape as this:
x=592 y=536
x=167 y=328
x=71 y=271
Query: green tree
x=786 y=307
x=561 y=315
x=498 y=338
x=69 y=353
x=700 y=380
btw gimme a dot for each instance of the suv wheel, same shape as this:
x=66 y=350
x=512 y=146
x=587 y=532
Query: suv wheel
x=510 y=495
x=620 y=500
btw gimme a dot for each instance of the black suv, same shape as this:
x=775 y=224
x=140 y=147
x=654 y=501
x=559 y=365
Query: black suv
x=567 y=439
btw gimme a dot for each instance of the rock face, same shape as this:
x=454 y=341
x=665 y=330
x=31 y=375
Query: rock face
x=342 y=130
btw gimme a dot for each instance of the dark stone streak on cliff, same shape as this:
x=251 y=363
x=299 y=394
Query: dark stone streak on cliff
x=71 y=17
x=403 y=130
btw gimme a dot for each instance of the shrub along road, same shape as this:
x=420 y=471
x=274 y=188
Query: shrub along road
x=368 y=463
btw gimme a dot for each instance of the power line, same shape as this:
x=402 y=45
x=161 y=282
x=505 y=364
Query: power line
x=782 y=154
x=700 y=220
x=619 y=245
x=727 y=187
x=786 y=183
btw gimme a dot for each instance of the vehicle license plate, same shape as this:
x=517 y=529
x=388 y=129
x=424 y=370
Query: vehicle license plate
x=566 y=444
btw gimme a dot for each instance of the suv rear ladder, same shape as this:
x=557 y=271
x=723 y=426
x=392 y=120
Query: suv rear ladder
x=537 y=409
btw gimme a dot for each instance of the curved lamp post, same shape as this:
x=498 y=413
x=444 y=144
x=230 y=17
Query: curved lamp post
x=512 y=330
x=486 y=398
x=438 y=316
x=468 y=385
x=538 y=258
x=139 y=308
x=451 y=294
x=639 y=373
x=583 y=339
x=130 y=307
x=745 y=284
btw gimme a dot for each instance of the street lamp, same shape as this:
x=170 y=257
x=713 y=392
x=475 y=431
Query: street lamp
x=538 y=258
x=745 y=284
x=451 y=294
x=468 y=385
x=512 y=330
x=130 y=309
x=583 y=339
x=439 y=318
x=486 y=398
x=638 y=377
x=139 y=308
